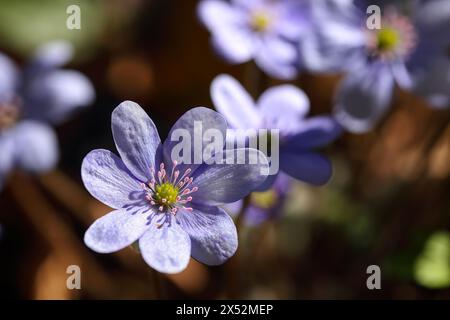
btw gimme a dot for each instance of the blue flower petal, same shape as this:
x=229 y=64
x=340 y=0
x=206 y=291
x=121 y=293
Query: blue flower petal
x=402 y=75
x=52 y=54
x=364 y=97
x=230 y=36
x=233 y=208
x=248 y=4
x=9 y=78
x=267 y=184
x=235 y=103
x=193 y=124
x=433 y=19
x=167 y=248
x=55 y=95
x=225 y=183
x=136 y=139
x=283 y=107
x=218 y=14
x=335 y=43
x=36 y=146
x=308 y=167
x=434 y=84
x=107 y=178
x=116 y=230
x=212 y=232
x=277 y=57
x=314 y=132
x=294 y=19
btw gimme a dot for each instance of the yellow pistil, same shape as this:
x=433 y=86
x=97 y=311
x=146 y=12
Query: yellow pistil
x=260 y=21
x=387 y=39
x=166 y=194
x=264 y=200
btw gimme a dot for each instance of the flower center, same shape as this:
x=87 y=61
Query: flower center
x=397 y=38
x=387 y=39
x=166 y=193
x=260 y=21
x=264 y=200
x=9 y=115
x=169 y=193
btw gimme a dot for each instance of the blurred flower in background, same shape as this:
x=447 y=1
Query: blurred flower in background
x=282 y=107
x=264 y=30
x=412 y=38
x=33 y=99
x=167 y=206
x=434 y=83
x=264 y=205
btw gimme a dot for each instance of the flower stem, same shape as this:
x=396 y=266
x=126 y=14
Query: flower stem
x=254 y=79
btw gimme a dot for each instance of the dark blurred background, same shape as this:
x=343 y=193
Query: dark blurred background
x=388 y=203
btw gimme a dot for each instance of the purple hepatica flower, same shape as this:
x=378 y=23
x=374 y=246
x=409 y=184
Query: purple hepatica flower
x=401 y=53
x=434 y=84
x=30 y=100
x=284 y=108
x=265 y=205
x=170 y=208
x=264 y=30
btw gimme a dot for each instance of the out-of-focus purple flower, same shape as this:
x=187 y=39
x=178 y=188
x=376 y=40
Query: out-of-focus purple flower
x=33 y=98
x=169 y=207
x=405 y=51
x=434 y=83
x=264 y=30
x=265 y=205
x=284 y=108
